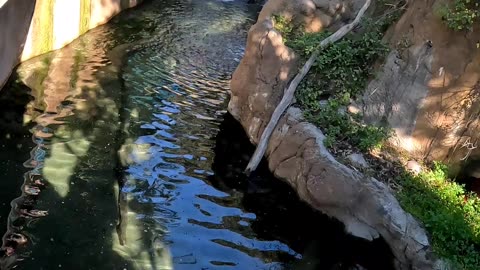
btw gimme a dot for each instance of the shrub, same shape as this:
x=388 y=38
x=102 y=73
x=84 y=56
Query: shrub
x=339 y=126
x=284 y=26
x=341 y=71
x=461 y=15
x=450 y=215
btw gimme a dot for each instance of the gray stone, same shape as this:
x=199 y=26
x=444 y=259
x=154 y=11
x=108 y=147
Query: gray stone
x=358 y=161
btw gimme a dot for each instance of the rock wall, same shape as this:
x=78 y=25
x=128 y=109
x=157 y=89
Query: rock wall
x=31 y=28
x=428 y=89
x=296 y=152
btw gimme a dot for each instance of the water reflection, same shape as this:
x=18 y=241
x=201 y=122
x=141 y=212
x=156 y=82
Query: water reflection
x=76 y=116
x=177 y=91
x=14 y=150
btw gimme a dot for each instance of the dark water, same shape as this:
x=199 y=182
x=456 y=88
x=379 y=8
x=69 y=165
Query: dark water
x=123 y=135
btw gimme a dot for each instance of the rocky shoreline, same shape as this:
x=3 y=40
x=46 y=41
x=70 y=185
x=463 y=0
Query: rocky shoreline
x=296 y=153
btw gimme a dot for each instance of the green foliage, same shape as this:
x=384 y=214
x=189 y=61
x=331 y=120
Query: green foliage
x=340 y=72
x=450 y=215
x=461 y=15
x=284 y=26
x=306 y=43
x=344 y=67
x=339 y=126
x=370 y=137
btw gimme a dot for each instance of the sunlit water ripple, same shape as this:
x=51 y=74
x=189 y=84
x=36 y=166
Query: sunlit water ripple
x=177 y=94
x=160 y=106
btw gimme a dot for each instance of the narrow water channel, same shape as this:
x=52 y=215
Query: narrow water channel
x=117 y=153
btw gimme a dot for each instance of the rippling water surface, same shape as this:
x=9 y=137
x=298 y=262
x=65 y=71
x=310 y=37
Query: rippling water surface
x=119 y=144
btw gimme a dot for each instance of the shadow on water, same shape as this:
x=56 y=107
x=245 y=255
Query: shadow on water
x=281 y=215
x=15 y=145
x=69 y=156
x=14 y=137
x=75 y=169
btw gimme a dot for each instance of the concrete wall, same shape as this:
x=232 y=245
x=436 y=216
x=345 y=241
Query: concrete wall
x=30 y=28
x=15 y=16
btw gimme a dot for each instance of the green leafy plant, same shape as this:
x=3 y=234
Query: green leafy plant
x=460 y=15
x=343 y=67
x=449 y=213
x=340 y=126
x=306 y=43
x=340 y=73
x=284 y=26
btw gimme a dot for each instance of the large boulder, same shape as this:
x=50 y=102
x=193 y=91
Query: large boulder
x=428 y=89
x=296 y=153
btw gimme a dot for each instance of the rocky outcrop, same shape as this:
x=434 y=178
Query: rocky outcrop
x=428 y=88
x=296 y=152
x=30 y=28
